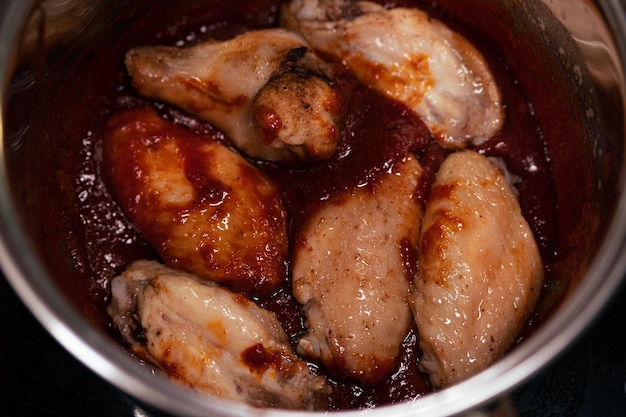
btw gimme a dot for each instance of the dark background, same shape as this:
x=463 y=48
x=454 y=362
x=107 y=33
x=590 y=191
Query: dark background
x=39 y=378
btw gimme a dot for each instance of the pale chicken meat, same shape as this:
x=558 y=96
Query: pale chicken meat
x=216 y=341
x=410 y=57
x=296 y=117
x=351 y=274
x=203 y=207
x=300 y=108
x=480 y=273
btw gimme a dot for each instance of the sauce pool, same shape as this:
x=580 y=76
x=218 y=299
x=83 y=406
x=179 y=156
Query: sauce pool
x=376 y=133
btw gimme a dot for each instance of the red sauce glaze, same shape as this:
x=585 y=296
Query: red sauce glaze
x=270 y=123
x=376 y=133
x=259 y=359
x=142 y=153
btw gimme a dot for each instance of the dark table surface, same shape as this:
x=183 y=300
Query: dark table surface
x=39 y=378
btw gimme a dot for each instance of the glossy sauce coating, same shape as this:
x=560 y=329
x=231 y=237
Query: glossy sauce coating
x=111 y=242
x=202 y=207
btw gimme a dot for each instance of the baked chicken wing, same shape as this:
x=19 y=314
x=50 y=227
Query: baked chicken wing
x=293 y=119
x=480 y=273
x=410 y=57
x=203 y=207
x=216 y=341
x=351 y=273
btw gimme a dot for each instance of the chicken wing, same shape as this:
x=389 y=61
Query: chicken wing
x=203 y=207
x=214 y=340
x=409 y=57
x=300 y=108
x=296 y=117
x=351 y=273
x=480 y=273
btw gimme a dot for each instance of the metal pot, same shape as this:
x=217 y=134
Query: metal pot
x=583 y=43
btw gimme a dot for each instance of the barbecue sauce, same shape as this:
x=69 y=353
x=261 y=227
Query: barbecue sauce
x=97 y=241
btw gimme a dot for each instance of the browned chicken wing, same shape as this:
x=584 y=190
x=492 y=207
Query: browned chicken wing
x=408 y=56
x=480 y=273
x=204 y=208
x=293 y=119
x=351 y=273
x=214 y=340
x=300 y=108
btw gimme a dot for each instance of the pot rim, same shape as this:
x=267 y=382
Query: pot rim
x=105 y=357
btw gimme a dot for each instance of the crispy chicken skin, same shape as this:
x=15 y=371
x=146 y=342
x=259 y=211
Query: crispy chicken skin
x=214 y=340
x=410 y=57
x=351 y=274
x=203 y=207
x=293 y=120
x=479 y=274
x=300 y=108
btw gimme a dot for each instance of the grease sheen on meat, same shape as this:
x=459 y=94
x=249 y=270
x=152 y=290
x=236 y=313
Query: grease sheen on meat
x=214 y=340
x=351 y=275
x=294 y=120
x=203 y=207
x=408 y=56
x=480 y=273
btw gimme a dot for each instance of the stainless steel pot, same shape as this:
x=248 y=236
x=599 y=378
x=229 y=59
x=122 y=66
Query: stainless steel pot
x=584 y=42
